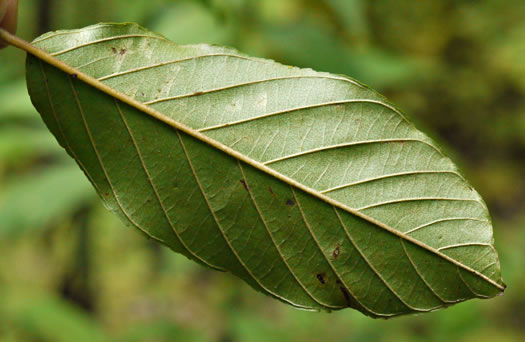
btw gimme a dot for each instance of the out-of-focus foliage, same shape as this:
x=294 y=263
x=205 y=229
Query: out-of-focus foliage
x=73 y=272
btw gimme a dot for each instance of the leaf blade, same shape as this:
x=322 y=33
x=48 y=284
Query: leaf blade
x=363 y=119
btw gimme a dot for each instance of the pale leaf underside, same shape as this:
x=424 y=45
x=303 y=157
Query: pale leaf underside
x=324 y=196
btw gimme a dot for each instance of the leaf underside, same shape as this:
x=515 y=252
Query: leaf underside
x=331 y=198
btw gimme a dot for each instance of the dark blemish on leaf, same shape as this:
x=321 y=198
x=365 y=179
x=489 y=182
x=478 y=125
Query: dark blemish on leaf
x=114 y=50
x=122 y=51
x=347 y=295
x=320 y=277
x=106 y=194
x=74 y=75
x=271 y=191
x=290 y=202
x=197 y=93
x=336 y=252
x=348 y=299
x=244 y=184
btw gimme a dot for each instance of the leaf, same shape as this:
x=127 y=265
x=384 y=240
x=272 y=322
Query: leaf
x=309 y=186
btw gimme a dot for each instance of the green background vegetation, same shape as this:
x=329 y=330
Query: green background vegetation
x=70 y=271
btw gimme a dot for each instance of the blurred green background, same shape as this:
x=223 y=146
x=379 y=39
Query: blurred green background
x=70 y=271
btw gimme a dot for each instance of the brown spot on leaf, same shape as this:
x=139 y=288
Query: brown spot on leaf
x=114 y=50
x=244 y=184
x=75 y=75
x=343 y=289
x=336 y=252
x=347 y=295
x=122 y=51
x=197 y=93
x=271 y=191
x=290 y=202
x=320 y=277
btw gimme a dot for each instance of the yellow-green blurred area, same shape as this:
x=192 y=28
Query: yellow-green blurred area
x=70 y=271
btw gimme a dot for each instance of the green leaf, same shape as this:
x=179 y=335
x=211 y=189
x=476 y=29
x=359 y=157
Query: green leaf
x=309 y=186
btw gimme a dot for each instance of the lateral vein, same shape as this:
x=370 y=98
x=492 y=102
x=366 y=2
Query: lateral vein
x=303 y=216
x=159 y=200
x=86 y=126
x=61 y=130
x=421 y=276
x=444 y=220
x=104 y=40
x=415 y=199
x=347 y=144
x=275 y=243
x=224 y=234
x=290 y=110
x=392 y=175
x=376 y=272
